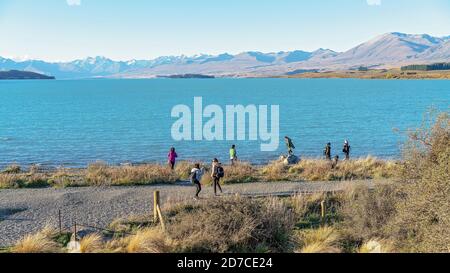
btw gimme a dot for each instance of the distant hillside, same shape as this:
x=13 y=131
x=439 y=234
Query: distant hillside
x=188 y=76
x=390 y=50
x=439 y=53
x=23 y=75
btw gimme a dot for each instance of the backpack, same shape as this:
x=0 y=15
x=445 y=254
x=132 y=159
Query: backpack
x=220 y=172
x=346 y=149
x=193 y=177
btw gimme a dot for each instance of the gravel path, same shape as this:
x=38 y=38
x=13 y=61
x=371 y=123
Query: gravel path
x=26 y=211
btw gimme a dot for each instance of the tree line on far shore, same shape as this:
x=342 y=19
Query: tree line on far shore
x=427 y=67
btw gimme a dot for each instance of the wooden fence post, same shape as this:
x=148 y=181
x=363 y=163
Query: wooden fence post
x=157 y=214
x=156 y=202
x=323 y=210
x=59 y=222
x=163 y=226
x=75 y=231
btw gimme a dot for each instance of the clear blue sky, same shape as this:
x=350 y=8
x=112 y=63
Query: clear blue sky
x=143 y=29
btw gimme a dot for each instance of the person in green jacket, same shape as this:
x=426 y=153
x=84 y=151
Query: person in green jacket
x=290 y=145
x=233 y=155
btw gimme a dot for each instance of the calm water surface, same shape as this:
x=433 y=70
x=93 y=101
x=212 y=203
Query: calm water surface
x=73 y=123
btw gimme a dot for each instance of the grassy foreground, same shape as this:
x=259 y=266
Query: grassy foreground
x=101 y=174
x=408 y=216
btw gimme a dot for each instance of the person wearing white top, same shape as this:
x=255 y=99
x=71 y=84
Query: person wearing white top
x=196 y=177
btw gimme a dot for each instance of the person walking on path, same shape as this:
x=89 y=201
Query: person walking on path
x=346 y=150
x=216 y=174
x=233 y=155
x=327 y=151
x=196 y=178
x=290 y=145
x=172 y=157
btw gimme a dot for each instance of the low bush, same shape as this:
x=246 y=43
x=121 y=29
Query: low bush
x=422 y=222
x=231 y=225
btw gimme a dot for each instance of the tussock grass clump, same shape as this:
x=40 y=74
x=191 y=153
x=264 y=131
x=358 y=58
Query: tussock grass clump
x=240 y=172
x=312 y=170
x=13 y=169
x=100 y=174
x=321 y=240
x=41 y=242
x=275 y=171
x=151 y=240
x=116 y=245
x=64 y=178
x=92 y=243
x=10 y=181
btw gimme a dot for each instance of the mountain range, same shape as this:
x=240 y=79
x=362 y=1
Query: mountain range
x=385 y=51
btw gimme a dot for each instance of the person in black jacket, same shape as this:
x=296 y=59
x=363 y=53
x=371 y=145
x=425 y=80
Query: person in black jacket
x=327 y=151
x=216 y=174
x=346 y=150
x=290 y=145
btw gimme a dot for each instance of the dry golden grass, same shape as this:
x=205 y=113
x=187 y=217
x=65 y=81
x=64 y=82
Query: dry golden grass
x=305 y=203
x=241 y=172
x=312 y=170
x=9 y=181
x=322 y=240
x=13 y=169
x=64 y=178
x=183 y=169
x=23 y=180
x=151 y=240
x=319 y=247
x=323 y=170
x=41 y=242
x=99 y=174
x=275 y=171
x=358 y=169
x=117 y=245
x=92 y=243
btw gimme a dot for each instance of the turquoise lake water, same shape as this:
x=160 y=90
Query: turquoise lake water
x=73 y=123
